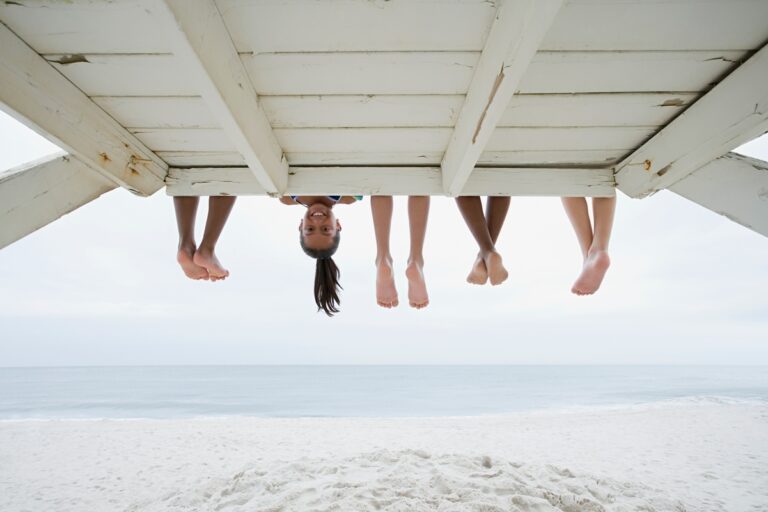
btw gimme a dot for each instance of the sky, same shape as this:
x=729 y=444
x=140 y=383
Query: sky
x=101 y=287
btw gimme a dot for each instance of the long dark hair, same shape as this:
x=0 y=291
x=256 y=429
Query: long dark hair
x=326 y=276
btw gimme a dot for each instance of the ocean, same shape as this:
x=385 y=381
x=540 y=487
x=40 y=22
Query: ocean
x=359 y=391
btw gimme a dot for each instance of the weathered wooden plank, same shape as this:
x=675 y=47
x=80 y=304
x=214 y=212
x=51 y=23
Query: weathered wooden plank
x=406 y=111
x=361 y=73
x=594 y=72
x=87 y=26
x=35 y=94
x=432 y=73
x=588 y=158
x=513 y=40
x=554 y=158
x=343 y=140
x=202 y=42
x=179 y=139
x=734 y=186
x=201 y=158
x=396 y=181
x=38 y=193
x=342 y=26
x=126 y=75
x=340 y=140
x=568 y=139
x=363 y=111
x=450 y=73
x=581 y=110
x=732 y=113
x=101 y=26
x=391 y=145
x=640 y=25
x=158 y=111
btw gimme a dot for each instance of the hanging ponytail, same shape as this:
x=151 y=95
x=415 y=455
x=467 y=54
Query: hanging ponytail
x=326 y=276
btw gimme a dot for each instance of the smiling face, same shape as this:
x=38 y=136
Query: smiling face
x=319 y=227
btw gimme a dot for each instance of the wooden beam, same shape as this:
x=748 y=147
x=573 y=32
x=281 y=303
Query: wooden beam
x=33 y=92
x=735 y=186
x=517 y=31
x=733 y=112
x=202 y=41
x=38 y=193
x=395 y=181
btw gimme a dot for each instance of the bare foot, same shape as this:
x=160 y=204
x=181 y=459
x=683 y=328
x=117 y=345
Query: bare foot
x=479 y=272
x=496 y=271
x=417 y=287
x=386 y=293
x=208 y=260
x=191 y=270
x=595 y=267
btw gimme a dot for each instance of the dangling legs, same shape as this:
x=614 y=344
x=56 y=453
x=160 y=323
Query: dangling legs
x=471 y=208
x=593 y=244
x=418 y=213
x=186 y=210
x=386 y=293
x=219 y=208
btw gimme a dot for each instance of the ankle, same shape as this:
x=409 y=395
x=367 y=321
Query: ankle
x=417 y=260
x=187 y=246
x=485 y=253
x=205 y=248
x=385 y=259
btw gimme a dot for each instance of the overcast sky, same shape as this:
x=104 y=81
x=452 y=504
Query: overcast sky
x=101 y=286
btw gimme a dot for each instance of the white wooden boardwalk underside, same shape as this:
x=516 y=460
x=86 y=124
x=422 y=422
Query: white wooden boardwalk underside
x=514 y=97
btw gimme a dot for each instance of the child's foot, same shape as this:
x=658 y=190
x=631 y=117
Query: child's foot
x=479 y=272
x=417 y=287
x=595 y=267
x=185 y=257
x=208 y=260
x=497 y=274
x=386 y=293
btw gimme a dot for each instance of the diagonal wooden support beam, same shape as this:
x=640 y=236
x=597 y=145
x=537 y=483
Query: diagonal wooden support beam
x=35 y=93
x=735 y=186
x=733 y=112
x=202 y=41
x=514 y=38
x=36 y=194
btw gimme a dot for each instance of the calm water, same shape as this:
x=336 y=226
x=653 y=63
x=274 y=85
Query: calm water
x=288 y=391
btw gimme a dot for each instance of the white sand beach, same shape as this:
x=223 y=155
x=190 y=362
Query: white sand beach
x=676 y=457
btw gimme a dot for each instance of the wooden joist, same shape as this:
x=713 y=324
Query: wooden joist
x=33 y=92
x=395 y=181
x=203 y=44
x=733 y=112
x=735 y=186
x=514 y=38
x=38 y=193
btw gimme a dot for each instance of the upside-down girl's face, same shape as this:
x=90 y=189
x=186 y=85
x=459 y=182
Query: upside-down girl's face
x=319 y=227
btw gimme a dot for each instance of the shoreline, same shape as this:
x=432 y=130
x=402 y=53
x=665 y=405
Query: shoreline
x=694 y=457
x=681 y=402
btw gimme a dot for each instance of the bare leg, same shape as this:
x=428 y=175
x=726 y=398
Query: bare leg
x=386 y=293
x=496 y=209
x=578 y=213
x=472 y=210
x=418 y=213
x=219 y=208
x=594 y=245
x=186 y=210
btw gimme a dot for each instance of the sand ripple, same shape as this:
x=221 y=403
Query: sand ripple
x=415 y=481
